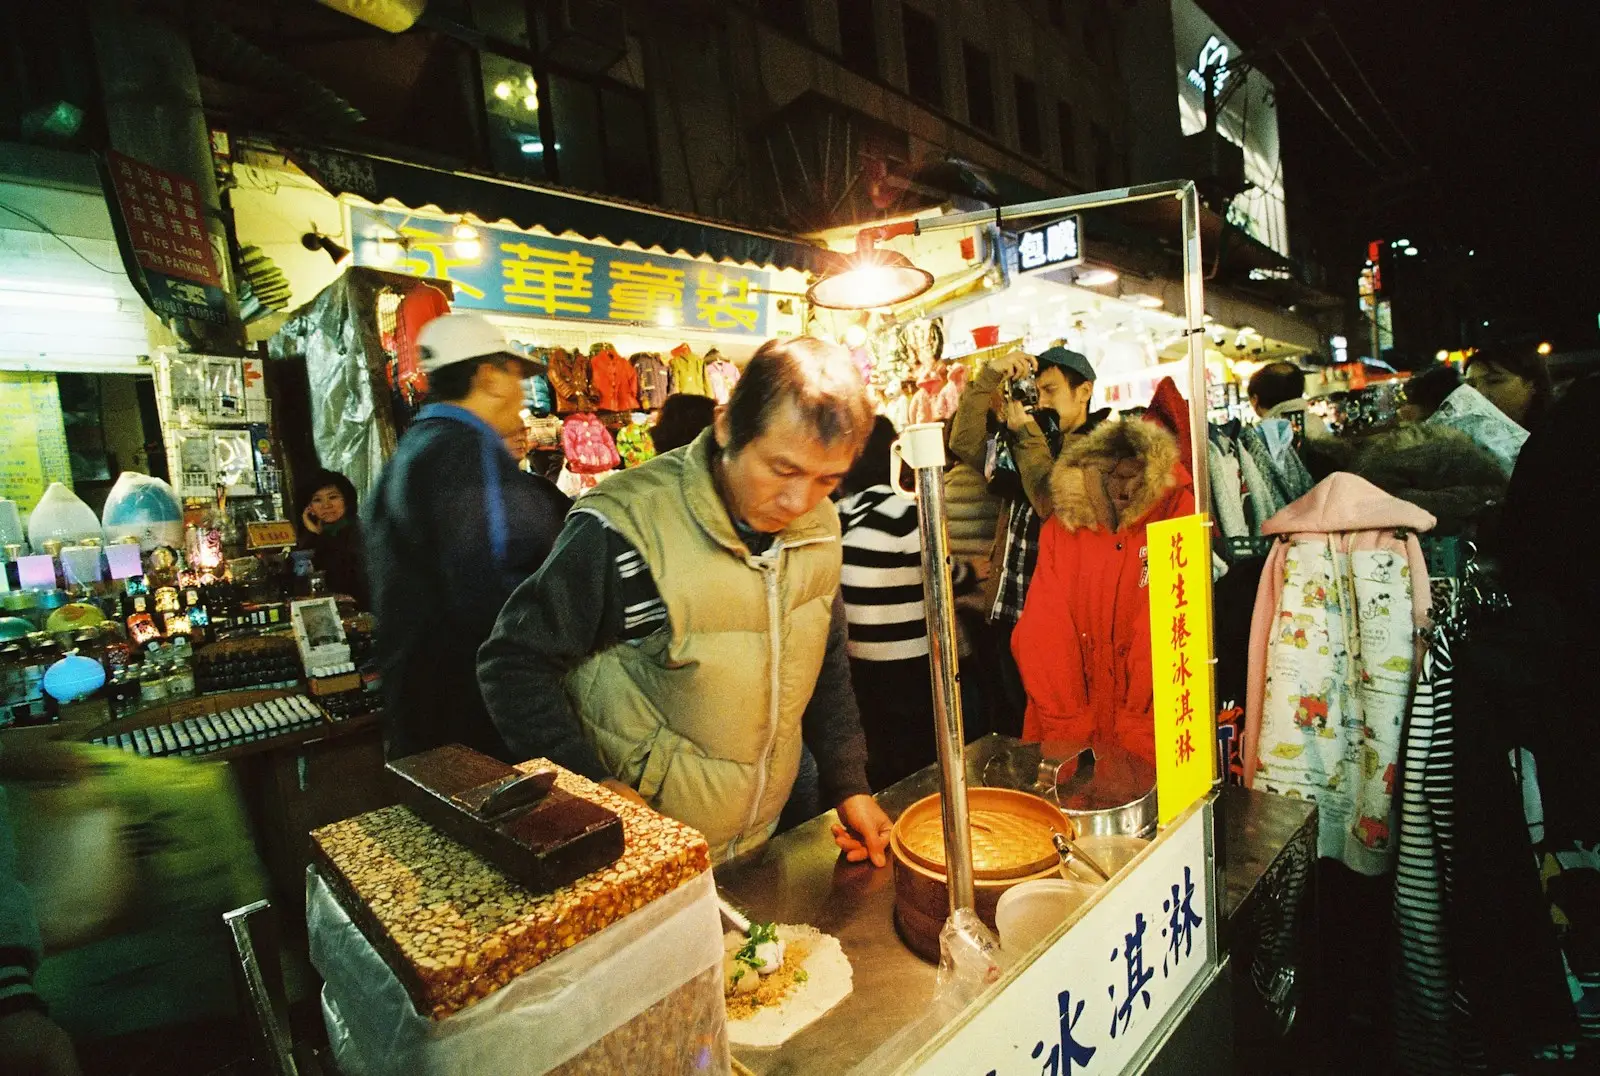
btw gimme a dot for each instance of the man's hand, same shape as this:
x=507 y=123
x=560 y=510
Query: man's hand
x=1009 y=367
x=1017 y=416
x=627 y=792
x=32 y=1044
x=865 y=833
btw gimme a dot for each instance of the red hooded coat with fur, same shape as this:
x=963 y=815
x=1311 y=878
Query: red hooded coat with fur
x=1083 y=643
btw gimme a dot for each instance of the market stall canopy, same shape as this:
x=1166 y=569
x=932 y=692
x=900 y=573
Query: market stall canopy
x=489 y=198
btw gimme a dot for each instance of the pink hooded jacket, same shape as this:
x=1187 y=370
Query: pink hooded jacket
x=1355 y=515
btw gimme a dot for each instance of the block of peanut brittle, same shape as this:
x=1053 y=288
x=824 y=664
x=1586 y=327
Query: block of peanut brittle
x=454 y=929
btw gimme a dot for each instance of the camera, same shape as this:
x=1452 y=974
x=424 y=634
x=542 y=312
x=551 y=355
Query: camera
x=1024 y=390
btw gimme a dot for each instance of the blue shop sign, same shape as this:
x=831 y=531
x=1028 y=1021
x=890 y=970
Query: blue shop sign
x=516 y=273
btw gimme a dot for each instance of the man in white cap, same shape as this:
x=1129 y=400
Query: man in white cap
x=452 y=528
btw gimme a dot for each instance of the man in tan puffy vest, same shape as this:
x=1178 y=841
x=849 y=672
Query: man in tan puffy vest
x=687 y=627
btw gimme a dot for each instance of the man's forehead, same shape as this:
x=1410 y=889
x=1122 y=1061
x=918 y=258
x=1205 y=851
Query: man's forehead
x=791 y=440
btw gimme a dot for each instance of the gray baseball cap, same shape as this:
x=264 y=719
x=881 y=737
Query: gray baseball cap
x=1067 y=360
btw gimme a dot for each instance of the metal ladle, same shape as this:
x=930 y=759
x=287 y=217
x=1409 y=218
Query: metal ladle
x=1068 y=850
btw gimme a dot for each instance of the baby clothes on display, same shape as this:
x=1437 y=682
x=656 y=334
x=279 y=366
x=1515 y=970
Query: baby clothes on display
x=616 y=384
x=653 y=378
x=587 y=444
x=721 y=376
x=688 y=372
x=634 y=444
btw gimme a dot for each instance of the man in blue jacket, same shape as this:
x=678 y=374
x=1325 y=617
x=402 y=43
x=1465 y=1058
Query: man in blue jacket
x=452 y=528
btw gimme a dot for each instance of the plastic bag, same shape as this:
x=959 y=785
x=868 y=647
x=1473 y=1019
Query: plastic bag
x=643 y=995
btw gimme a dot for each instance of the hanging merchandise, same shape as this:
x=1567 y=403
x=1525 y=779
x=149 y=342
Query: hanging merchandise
x=572 y=483
x=654 y=379
x=688 y=372
x=544 y=433
x=1270 y=444
x=721 y=376
x=613 y=380
x=634 y=443
x=416 y=309
x=538 y=395
x=1332 y=656
x=587 y=444
x=924 y=402
x=955 y=383
x=569 y=377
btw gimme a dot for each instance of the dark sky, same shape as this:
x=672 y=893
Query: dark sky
x=1500 y=103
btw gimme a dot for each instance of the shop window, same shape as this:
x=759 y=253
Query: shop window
x=603 y=138
x=513 y=100
x=858 y=37
x=1105 y=157
x=1067 y=135
x=980 y=86
x=786 y=15
x=1029 y=135
x=924 y=61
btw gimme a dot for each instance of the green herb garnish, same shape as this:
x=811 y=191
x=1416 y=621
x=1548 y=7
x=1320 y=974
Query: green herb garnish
x=760 y=934
x=800 y=975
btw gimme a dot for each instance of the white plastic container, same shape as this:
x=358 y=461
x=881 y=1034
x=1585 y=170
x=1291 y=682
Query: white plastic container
x=1029 y=911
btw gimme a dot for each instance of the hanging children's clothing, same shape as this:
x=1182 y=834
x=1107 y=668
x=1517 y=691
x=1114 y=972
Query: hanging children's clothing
x=653 y=378
x=569 y=377
x=688 y=372
x=1332 y=657
x=721 y=376
x=615 y=384
x=587 y=444
x=634 y=444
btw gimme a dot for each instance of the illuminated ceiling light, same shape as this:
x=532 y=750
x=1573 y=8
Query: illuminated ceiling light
x=1472 y=253
x=1096 y=278
x=665 y=317
x=876 y=278
x=502 y=89
x=533 y=87
x=1149 y=302
x=1401 y=243
x=531 y=103
x=1544 y=347
x=465 y=241
x=855 y=336
x=1442 y=355
x=1411 y=252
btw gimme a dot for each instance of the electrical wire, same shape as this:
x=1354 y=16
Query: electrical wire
x=1298 y=81
x=31 y=219
x=1382 y=147
x=1360 y=73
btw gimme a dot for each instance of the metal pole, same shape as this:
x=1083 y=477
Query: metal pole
x=939 y=600
x=1194 y=309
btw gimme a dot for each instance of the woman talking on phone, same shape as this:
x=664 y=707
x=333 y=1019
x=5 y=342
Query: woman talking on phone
x=330 y=529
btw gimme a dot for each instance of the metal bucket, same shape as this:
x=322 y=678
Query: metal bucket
x=1105 y=792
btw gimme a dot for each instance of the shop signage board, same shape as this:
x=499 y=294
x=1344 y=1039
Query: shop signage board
x=33 y=451
x=1056 y=245
x=1180 y=653
x=164 y=219
x=1108 y=990
x=517 y=273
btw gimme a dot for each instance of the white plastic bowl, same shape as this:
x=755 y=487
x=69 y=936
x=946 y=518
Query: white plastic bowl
x=1027 y=912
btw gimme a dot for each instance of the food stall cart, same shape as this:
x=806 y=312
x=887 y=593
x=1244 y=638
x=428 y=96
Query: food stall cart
x=1132 y=978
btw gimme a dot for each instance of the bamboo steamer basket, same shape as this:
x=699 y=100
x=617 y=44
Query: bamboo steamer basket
x=1011 y=843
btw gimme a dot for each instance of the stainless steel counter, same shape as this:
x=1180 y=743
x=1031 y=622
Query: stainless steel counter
x=800 y=878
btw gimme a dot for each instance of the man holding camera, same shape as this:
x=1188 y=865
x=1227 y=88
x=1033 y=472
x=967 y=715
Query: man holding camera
x=1046 y=400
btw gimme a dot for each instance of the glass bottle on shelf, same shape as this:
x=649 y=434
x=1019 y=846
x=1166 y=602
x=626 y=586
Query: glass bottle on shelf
x=180 y=680
x=152 y=684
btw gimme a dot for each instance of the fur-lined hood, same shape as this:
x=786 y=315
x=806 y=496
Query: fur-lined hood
x=1078 y=494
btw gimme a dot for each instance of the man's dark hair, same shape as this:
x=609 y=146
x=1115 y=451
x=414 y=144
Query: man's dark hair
x=449 y=384
x=1525 y=362
x=1427 y=389
x=682 y=418
x=872 y=468
x=1276 y=383
x=815 y=376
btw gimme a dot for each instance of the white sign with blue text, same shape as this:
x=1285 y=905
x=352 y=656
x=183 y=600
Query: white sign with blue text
x=1094 y=1001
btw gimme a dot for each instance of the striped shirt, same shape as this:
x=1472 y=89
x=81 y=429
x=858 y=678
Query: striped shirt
x=882 y=576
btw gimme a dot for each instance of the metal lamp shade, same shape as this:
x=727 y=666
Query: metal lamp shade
x=876 y=278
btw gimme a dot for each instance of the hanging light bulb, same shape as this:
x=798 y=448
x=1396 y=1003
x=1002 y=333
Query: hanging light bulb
x=531 y=102
x=465 y=241
x=502 y=89
x=855 y=336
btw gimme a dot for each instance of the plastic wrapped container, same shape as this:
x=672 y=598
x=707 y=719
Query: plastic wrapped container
x=435 y=962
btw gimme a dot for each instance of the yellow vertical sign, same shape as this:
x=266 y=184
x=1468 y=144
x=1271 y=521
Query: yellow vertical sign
x=1180 y=665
